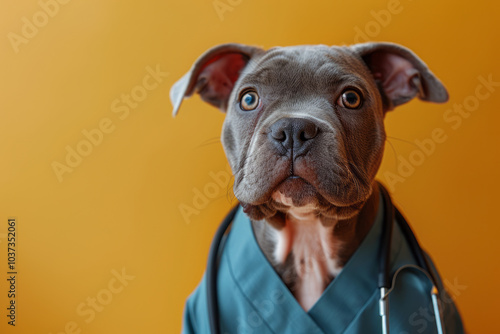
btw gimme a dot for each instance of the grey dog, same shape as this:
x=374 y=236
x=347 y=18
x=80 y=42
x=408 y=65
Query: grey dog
x=304 y=136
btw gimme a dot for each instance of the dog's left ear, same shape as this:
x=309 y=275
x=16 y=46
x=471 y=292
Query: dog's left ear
x=213 y=75
x=400 y=75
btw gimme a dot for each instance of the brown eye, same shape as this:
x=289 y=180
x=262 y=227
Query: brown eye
x=249 y=101
x=350 y=99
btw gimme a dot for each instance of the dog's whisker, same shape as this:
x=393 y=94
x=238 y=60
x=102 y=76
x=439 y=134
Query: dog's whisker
x=230 y=197
x=395 y=154
x=208 y=142
x=404 y=141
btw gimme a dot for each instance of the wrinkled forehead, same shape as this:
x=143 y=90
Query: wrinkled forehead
x=305 y=69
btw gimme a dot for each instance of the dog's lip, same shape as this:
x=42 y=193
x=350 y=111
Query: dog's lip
x=276 y=200
x=328 y=198
x=297 y=178
x=290 y=178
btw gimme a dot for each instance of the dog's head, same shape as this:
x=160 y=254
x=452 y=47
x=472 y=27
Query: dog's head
x=304 y=125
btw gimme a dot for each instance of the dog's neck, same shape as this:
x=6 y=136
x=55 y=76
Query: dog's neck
x=309 y=255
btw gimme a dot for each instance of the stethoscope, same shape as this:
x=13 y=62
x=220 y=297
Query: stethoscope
x=391 y=214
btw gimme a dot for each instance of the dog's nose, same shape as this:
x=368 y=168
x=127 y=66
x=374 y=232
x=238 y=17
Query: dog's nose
x=292 y=134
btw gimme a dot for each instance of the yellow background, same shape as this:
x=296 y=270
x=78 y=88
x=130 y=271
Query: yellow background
x=119 y=208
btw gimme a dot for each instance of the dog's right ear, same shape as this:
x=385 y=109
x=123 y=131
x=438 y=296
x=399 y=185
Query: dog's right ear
x=213 y=75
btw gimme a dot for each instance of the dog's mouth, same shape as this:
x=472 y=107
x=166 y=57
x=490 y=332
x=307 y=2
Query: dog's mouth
x=296 y=193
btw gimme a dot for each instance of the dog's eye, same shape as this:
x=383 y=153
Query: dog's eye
x=249 y=101
x=350 y=99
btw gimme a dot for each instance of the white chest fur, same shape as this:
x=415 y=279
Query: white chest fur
x=313 y=248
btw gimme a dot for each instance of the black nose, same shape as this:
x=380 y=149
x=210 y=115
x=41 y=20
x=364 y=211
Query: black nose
x=295 y=134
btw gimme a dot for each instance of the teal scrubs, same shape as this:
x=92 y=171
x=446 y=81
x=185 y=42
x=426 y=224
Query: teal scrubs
x=253 y=299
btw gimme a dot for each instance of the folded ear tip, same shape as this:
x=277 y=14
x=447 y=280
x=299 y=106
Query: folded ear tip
x=437 y=97
x=445 y=97
x=176 y=105
x=178 y=91
x=439 y=93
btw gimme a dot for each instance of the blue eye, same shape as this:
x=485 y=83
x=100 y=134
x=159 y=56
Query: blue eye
x=249 y=101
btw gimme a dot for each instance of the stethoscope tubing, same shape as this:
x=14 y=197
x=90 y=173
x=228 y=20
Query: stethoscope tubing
x=212 y=266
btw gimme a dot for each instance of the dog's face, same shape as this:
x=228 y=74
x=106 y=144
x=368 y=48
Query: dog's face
x=305 y=125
